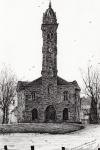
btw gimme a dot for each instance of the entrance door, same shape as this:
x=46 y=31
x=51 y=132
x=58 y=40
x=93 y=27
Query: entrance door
x=65 y=114
x=50 y=114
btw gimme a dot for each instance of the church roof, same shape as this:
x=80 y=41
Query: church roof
x=22 y=85
x=61 y=81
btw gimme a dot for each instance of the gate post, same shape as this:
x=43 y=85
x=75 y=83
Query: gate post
x=32 y=147
x=63 y=148
x=5 y=147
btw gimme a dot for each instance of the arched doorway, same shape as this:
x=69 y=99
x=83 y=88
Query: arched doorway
x=34 y=114
x=65 y=114
x=50 y=114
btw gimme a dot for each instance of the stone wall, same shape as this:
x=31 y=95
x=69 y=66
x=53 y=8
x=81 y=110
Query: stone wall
x=53 y=128
x=26 y=104
x=21 y=106
x=71 y=103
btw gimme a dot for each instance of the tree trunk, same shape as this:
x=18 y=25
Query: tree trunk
x=7 y=113
x=4 y=116
x=93 y=112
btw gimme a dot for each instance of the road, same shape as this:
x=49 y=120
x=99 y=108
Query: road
x=23 y=141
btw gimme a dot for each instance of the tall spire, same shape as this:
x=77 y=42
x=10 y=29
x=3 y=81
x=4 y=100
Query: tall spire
x=50 y=4
x=49 y=17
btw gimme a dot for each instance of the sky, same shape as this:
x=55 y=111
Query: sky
x=78 y=36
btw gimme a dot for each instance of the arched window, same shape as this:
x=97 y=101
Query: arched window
x=34 y=114
x=33 y=95
x=65 y=114
x=49 y=36
x=66 y=95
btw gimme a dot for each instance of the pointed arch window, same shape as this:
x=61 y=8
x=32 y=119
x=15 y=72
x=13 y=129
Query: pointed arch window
x=65 y=114
x=50 y=36
x=33 y=95
x=34 y=114
x=66 y=95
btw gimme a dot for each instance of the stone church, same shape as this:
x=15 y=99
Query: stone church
x=48 y=98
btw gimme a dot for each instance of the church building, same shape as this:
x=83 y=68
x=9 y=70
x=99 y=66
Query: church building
x=49 y=98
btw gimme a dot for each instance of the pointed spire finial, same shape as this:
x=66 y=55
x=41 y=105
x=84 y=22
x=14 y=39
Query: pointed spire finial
x=50 y=4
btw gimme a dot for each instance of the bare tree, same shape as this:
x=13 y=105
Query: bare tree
x=92 y=90
x=7 y=91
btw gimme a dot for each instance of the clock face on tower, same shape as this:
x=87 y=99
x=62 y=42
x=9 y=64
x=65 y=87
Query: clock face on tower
x=50 y=50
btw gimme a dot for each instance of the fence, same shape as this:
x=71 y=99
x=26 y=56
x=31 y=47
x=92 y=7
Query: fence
x=32 y=148
x=62 y=148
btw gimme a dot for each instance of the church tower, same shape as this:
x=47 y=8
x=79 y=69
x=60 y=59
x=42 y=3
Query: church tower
x=49 y=51
x=49 y=98
x=49 y=33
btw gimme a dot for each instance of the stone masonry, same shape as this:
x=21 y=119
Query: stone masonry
x=48 y=98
